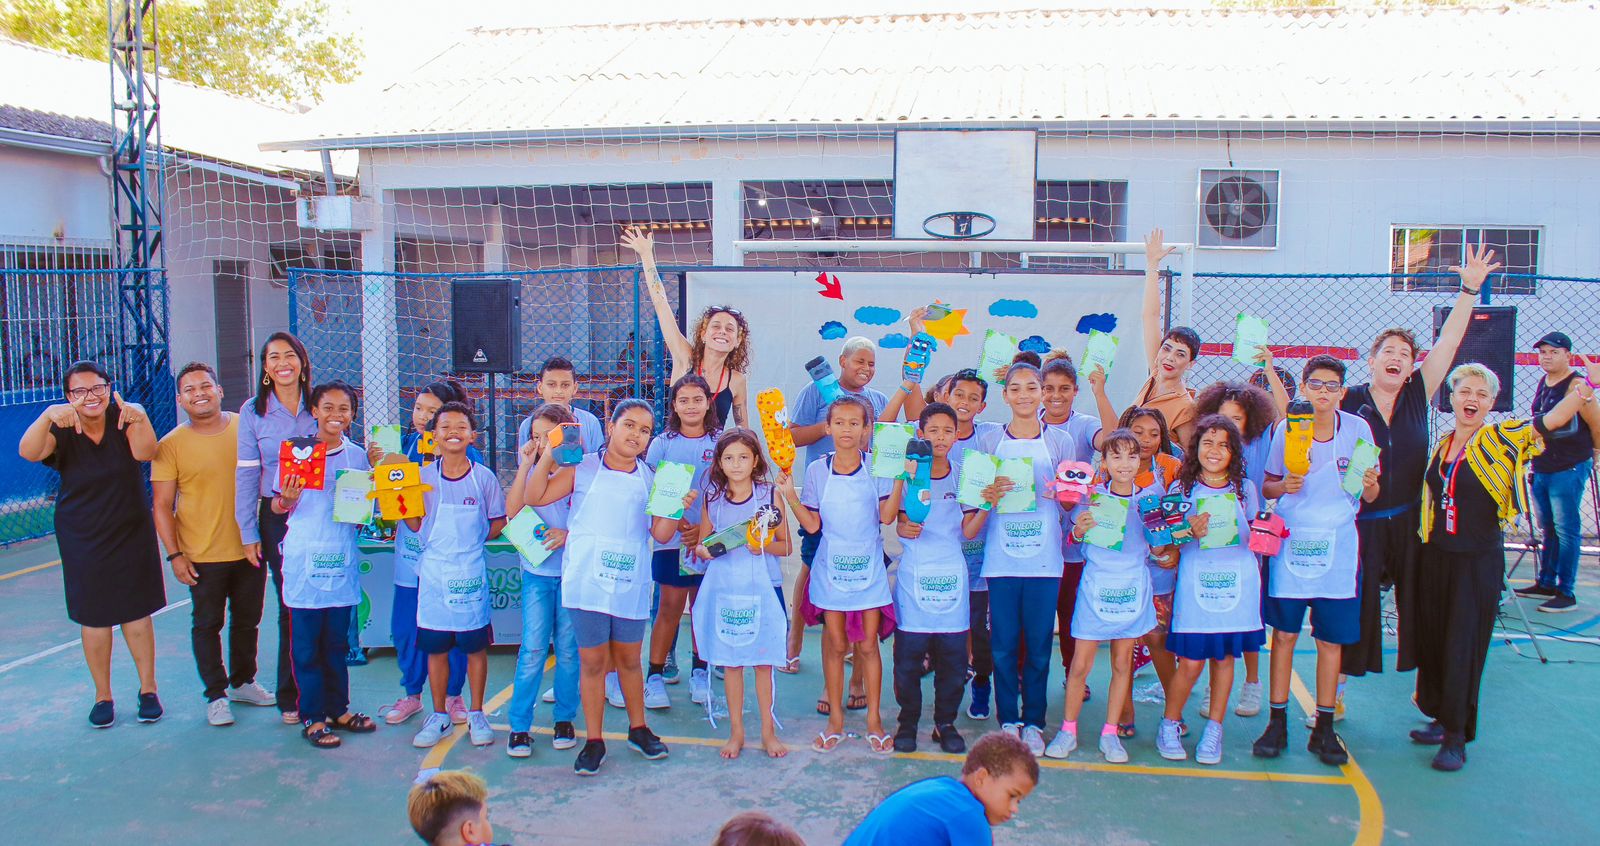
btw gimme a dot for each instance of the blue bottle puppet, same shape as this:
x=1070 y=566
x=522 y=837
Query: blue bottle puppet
x=1166 y=519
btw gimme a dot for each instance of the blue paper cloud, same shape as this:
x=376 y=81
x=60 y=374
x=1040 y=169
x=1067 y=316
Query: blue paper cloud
x=1013 y=308
x=877 y=316
x=893 y=341
x=1034 y=343
x=1104 y=321
x=833 y=330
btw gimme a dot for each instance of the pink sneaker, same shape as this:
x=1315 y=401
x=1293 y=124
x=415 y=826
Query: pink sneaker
x=456 y=707
x=403 y=709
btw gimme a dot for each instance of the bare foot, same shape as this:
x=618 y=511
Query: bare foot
x=774 y=746
x=733 y=747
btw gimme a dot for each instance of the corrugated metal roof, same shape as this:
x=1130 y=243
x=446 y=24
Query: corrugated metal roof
x=1525 y=63
x=56 y=94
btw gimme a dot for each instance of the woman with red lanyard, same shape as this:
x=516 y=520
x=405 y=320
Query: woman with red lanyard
x=1475 y=484
x=720 y=349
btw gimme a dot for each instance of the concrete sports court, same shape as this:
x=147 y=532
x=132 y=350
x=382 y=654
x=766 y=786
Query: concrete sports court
x=256 y=782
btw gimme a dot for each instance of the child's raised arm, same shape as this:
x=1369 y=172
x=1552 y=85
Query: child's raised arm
x=889 y=506
x=548 y=483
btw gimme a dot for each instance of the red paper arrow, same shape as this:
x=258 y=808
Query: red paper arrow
x=830 y=287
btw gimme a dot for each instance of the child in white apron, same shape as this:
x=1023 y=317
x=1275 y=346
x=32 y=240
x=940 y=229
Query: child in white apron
x=690 y=437
x=464 y=509
x=931 y=595
x=543 y=617
x=605 y=581
x=1112 y=602
x=1157 y=469
x=848 y=506
x=1253 y=412
x=1216 y=614
x=1022 y=562
x=739 y=620
x=1317 y=568
x=968 y=394
x=320 y=582
x=1084 y=433
x=413 y=662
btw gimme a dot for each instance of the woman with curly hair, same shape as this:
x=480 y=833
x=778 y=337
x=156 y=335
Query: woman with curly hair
x=718 y=350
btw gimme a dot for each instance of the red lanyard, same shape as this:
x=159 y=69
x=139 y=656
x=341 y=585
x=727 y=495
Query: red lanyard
x=1449 y=501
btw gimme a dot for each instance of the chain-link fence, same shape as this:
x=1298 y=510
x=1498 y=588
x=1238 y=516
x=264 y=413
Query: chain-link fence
x=1341 y=313
x=50 y=317
x=595 y=317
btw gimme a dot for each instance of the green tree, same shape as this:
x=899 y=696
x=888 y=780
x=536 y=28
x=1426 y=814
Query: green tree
x=269 y=50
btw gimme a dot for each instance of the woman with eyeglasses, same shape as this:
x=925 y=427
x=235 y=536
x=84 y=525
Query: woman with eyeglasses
x=718 y=350
x=1474 y=485
x=105 y=530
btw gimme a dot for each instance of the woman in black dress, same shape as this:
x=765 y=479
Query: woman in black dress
x=1395 y=405
x=107 y=537
x=1476 y=482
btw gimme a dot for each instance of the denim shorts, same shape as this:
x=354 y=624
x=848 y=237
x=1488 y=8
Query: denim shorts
x=596 y=629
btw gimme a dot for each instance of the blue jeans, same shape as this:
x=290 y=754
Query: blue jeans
x=1557 y=497
x=413 y=661
x=543 y=615
x=318 y=642
x=1022 y=615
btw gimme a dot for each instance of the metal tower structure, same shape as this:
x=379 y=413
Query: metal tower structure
x=137 y=196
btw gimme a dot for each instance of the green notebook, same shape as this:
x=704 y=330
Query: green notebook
x=1223 y=529
x=1363 y=458
x=999 y=349
x=387 y=437
x=1100 y=351
x=350 y=501
x=1249 y=336
x=1110 y=521
x=979 y=470
x=889 y=449
x=671 y=485
x=526 y=532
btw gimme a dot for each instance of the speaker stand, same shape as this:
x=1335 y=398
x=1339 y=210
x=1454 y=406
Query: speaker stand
x=494 y=445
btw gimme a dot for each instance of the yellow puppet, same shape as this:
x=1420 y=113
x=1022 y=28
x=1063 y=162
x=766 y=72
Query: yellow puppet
x=1297 y=438
x=398 y=488
x=775 y=424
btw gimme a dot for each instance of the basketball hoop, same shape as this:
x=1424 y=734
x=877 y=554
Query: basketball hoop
x=958 y=225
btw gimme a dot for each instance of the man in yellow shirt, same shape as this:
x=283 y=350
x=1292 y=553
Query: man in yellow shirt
x=193 y=482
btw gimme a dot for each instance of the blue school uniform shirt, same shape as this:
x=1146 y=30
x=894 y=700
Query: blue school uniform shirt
x=808 y=409
x=671 y=446
x=933 y=812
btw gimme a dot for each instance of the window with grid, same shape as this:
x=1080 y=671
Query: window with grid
x=54 y=313
x=1436 y=249
x=1089 y=210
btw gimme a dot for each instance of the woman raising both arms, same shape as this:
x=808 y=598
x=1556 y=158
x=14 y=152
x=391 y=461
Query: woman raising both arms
x=720 y=349
x=1170 y=353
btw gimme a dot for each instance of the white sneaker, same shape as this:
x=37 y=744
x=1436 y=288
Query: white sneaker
x=655 y=693
x=699 y=687
x=1062 y=744
x=1152 y=694
x=549 y=696
x=1013 y=729
x=218 y=713
x=614 y=691
x=434 y=729
x=478 y=730
x=1169 y=743
x=1111 y=749
x=1034 y=737
x=251 y=693
x=1338 y=714
x=1209 y=750
x=1249 y=700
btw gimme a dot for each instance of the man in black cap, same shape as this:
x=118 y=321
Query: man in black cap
x=1560 y=474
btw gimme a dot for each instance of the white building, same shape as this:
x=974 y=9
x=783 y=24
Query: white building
x=1367 y=143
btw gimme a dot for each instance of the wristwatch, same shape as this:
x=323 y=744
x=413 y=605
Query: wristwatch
x=172 y=556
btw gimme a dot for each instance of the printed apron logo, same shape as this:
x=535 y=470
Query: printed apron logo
x=738 y=620
x=1116 y=602
x=618 y=567
x=327 y=570
x=1218 y=591
x=849 y=572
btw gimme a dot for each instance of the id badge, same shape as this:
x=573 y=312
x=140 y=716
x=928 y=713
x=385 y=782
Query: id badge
x=1449 y=515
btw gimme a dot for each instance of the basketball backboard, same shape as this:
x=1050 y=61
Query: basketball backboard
x=987 y=171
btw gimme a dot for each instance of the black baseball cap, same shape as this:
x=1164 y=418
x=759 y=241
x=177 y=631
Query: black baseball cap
x=1554 y=339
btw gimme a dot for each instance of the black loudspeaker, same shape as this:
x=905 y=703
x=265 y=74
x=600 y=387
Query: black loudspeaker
x=1491 y=340
x=483 y=325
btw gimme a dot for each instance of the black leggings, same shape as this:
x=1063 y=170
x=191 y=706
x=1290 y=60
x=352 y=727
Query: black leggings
x=273 y=527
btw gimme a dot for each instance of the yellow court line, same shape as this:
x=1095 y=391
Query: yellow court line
x=1370 y=831
x=26 y=570
x=436 y=755
x=1141 y=769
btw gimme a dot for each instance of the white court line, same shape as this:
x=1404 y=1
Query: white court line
x=61 y=647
